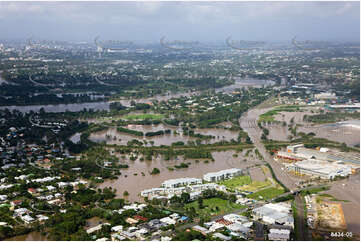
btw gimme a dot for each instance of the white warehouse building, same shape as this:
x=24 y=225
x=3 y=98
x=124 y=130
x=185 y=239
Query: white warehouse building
x=222 y=175
x=318 y=168
x=181 y=182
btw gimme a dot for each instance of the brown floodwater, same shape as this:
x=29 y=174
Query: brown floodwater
x=248 y=122
x=94 y=221
x=112 y=136
x=245 y=83
x=135 y=184
x=75 y=138
x=103 y=105
x=333 y=131
x=32 y=236
x=239 y=83
x=281 y=132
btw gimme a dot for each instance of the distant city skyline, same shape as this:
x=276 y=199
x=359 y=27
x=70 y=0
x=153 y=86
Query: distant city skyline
x=200 y=21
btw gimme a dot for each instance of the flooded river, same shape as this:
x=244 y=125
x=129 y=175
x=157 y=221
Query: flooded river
x=76 y=107
x=240 y=83
x=58 y=108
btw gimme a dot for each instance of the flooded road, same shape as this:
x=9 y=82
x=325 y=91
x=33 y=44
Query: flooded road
x=332 y=132
x=135 y=184
x=248 y=122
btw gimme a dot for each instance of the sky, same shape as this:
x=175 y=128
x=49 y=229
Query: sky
x=188 y=21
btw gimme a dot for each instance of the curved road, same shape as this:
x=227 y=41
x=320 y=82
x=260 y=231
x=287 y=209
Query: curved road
x=248 y=123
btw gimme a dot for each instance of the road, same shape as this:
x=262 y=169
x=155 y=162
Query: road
x=40 y=125
x=248 y=123
x=300 y=220
x=103 y=83
x=37 y=83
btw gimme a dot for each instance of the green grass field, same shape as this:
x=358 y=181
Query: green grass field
x=224 y=206
x=245 y=183
x=143 y=116
x=236 y=182
x=255 y=185
x=267 y=193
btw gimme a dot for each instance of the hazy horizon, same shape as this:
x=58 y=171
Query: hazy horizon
x=201 y=21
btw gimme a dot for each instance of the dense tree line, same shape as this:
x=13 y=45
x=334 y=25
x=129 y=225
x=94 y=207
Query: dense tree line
x=129 y=131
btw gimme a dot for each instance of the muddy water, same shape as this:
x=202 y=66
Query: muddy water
x=37 y=236
x=248 y=122
x=349 y=190
x=112 y=136
x=92 y=222
x=32 y=236
x=2 y=81
x=75 y=138
x=122 y=138
x=240 y=83
x=159 y=98
x=334 y=132
x=135 y=184
x=348 y=135
x=281 y=132
x=257 y=174
x=76 y=107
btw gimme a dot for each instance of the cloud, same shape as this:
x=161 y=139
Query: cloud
x=193 y=19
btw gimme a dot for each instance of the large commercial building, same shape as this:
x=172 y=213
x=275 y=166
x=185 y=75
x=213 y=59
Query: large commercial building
x=287 y=157
x=320 y=168
x=222 y=175
x=181 y=182
x=325 y=96
x=300 y=151
x=271 y=213
x=193 y=190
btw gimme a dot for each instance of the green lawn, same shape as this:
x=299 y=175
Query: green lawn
x=224 y=206
x=245 y=183
x=236 y=182
x=143 y=116
x=266 y=193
